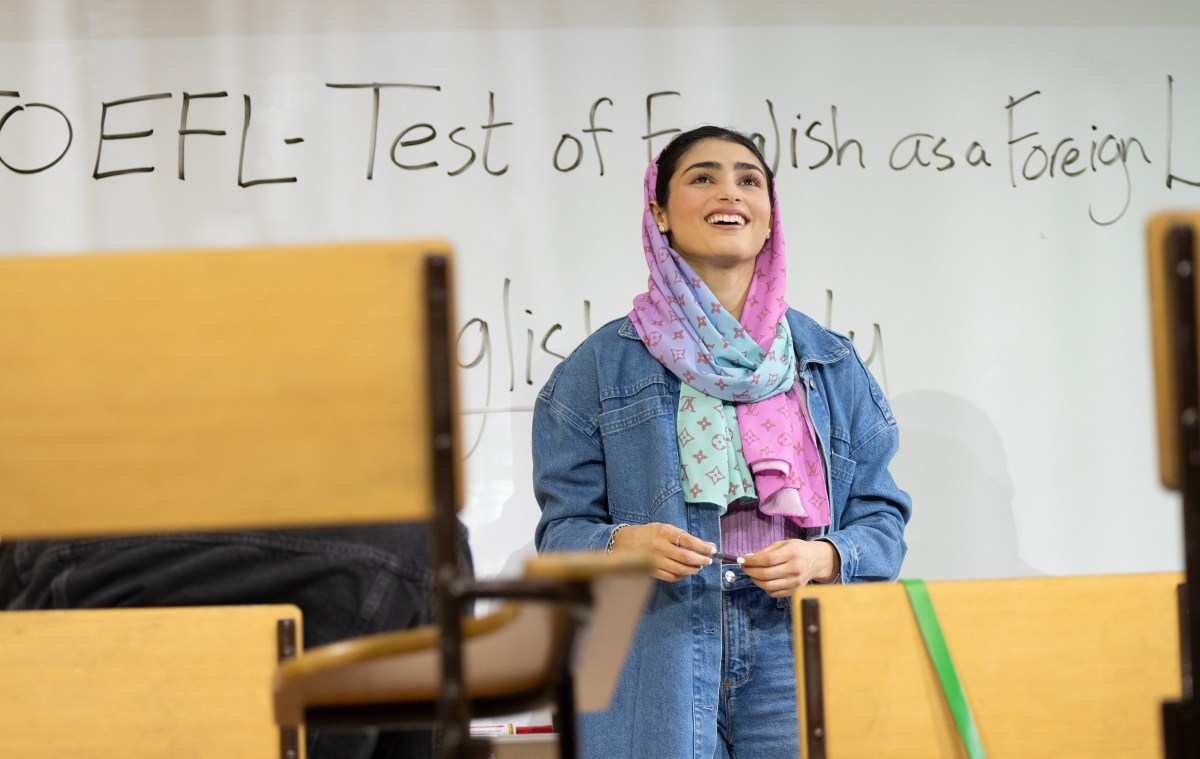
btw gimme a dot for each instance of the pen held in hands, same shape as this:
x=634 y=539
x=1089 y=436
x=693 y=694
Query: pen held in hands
x=728 y=558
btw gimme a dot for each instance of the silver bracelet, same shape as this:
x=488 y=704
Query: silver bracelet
x=613 y=536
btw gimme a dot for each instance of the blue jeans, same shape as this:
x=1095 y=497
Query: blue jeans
x=757 y=712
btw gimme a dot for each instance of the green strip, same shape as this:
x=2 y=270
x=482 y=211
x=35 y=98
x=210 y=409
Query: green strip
x=935 y=642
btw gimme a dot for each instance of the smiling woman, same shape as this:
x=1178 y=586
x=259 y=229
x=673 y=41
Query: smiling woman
x=716 y=423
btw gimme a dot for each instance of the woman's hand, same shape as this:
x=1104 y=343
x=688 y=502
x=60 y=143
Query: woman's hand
x=675 y=554
x=785 y=565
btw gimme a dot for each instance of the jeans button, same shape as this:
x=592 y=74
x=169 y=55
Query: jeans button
x=729 y=577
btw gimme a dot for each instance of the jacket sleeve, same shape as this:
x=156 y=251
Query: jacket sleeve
x=569 y=479
x=869 y=536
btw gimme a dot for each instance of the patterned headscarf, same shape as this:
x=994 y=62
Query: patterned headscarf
x=748 y=364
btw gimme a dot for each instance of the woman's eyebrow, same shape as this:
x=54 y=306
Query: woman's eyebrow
x=716 y=166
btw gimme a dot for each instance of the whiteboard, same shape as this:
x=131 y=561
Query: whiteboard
x=963 y=192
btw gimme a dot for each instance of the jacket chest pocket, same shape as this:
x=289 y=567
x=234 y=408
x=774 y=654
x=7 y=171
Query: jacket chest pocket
x=641 y=453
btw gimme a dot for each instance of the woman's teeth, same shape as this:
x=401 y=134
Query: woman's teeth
x=725 y=218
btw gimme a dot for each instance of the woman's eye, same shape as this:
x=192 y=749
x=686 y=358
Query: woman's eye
x=752 y=179
x=701 y=178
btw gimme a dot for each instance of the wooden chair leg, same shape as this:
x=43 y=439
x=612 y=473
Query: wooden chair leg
x=568 y=734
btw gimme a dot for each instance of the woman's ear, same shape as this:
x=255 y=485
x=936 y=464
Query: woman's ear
x=660 y=217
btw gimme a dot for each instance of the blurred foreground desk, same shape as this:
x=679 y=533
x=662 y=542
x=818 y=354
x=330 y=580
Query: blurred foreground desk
x=1054 y=667
x=158 y=392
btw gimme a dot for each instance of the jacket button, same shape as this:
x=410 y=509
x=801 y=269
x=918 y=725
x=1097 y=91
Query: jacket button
x=730 y=576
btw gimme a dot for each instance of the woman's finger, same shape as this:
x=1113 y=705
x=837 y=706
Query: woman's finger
x=692 y=544
x=671 y=570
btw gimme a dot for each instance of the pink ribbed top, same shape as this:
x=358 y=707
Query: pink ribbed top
x=745 y=529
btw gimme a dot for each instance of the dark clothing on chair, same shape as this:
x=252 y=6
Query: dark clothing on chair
x=347 y=582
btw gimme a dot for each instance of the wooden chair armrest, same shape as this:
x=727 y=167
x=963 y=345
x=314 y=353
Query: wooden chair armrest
x=509 y=650
x=575 y=566
x=370 y=648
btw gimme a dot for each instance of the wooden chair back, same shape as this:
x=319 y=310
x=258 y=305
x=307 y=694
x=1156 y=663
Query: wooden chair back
x=1052 y=667
x=141 y=683
x=207 y=390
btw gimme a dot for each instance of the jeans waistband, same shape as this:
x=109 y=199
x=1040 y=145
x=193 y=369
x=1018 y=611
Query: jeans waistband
x=733 y=578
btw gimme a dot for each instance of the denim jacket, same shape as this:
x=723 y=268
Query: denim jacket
x=605 y=453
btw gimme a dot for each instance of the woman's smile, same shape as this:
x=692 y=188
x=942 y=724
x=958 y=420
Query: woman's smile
x=727 y=219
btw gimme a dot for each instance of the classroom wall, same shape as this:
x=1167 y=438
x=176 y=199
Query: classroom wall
x=964 y=191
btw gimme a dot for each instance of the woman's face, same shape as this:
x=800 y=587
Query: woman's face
x=718 y=212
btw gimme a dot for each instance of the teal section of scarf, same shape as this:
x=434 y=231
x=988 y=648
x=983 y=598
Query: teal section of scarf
x=712 y=466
